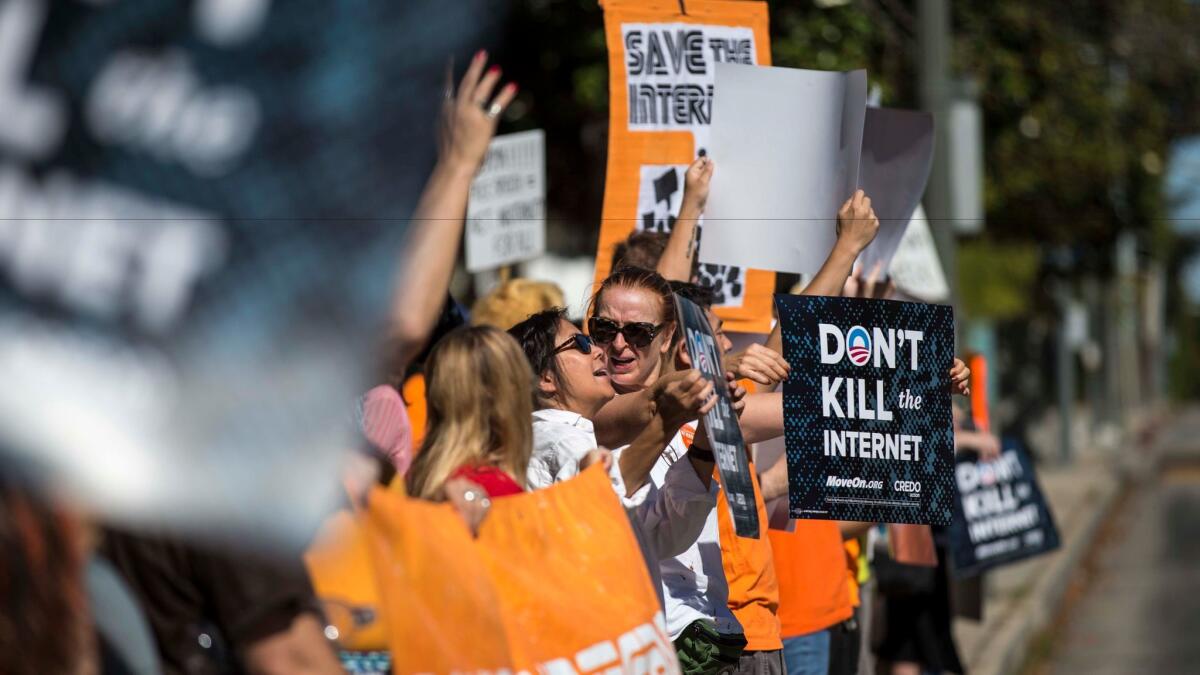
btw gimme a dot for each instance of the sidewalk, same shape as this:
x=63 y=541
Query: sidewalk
x=1023 y=598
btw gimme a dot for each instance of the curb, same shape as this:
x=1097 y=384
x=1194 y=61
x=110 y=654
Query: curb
x=1009 y=644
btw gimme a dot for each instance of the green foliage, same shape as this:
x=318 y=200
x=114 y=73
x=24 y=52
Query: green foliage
x=996 y=281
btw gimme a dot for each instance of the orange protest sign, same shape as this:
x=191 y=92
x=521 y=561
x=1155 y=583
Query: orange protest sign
x=661 y=65
x=555 y=582
x=570 y=578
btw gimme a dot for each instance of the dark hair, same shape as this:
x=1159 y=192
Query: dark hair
x=640 y=249
x=634 y=277
x=537 y=336
x=703 y=296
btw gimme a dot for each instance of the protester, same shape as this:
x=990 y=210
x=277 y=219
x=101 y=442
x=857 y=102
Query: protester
x=514 y=300
x=479 y=397
x=572 y=385
x=421 y=308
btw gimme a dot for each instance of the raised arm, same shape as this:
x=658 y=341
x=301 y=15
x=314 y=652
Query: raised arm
x=676 y=261
x=856 y=227
x=466 y=126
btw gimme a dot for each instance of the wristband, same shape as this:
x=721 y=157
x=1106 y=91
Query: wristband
x=702 y=454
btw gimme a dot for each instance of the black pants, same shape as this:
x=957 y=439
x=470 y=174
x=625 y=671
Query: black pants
x=844 y=643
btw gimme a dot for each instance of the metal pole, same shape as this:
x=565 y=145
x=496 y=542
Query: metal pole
x=933 y=35
x=1065 y=375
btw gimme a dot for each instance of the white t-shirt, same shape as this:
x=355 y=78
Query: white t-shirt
x=666 y=515
x=694 y=585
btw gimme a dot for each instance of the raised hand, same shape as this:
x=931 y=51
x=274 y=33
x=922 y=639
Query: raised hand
x=469 y=116
x=856 y=223
x=868 y=286
x=758 y=364
x=960 y=376
x=695 y=183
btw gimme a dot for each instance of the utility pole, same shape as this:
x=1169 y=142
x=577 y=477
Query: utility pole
x=933 y=37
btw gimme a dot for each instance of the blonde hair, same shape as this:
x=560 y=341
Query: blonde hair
x=514 y=301
x=479 y=393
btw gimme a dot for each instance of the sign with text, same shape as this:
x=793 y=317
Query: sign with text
x=506 y=216
x=897 y=154
x=787 y=144
x=916 y=267
x=866 y=410
x=1001 y=515
x=201 y=209
x=721 y=423
x=661 y=86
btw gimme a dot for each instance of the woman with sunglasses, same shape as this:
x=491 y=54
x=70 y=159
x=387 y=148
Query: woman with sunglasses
x=571 y=385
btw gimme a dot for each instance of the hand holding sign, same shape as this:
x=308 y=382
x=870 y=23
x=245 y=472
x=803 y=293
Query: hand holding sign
x=960 y=378
x=856 y=223
x=682 y=396
x=695 y=184
x=759 y=364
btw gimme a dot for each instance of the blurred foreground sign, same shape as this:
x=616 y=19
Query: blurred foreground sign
x=200 y=205
x=506 y=216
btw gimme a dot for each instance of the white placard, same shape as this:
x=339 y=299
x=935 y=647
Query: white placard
x=916 y=267
x=506 y=216
x=897 y=155
x=787 y=145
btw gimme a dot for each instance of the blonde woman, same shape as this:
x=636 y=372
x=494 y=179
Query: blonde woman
x=480 y=402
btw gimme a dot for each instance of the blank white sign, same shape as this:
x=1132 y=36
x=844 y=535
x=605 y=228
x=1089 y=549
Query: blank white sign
x=787 y=145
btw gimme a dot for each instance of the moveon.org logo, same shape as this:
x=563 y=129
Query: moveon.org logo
x=862 y=483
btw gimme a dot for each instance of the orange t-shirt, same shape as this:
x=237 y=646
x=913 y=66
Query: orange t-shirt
x=750 y=573
x=852 y=552
x=811 y=563
x=413 y=393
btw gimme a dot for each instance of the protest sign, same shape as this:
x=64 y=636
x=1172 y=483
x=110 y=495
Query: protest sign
x=1001 y=515
x=495 y=603
x=916 y=267
x=897 y=154
x=660 y=64
x=867 y=416
x=200 y=215
x=721 y=423
x=787 y=143
x=506 y=215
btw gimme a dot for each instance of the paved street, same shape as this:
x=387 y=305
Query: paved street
x=1141 y=610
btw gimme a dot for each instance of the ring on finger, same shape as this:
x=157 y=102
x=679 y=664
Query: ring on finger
x=494 y=109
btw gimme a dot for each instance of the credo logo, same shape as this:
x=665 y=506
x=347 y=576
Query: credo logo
x=858 y=345
x=909 y=486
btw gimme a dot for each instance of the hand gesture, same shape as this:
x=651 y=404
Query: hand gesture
x=601 y=455
x=737 y=393
x=868 y=286
x=960 y=376
x=758 y=364
x=469 y=116
x=683 y=396
x=695 y=182
x=470 y=500
x=856 y=223
x=989 y=448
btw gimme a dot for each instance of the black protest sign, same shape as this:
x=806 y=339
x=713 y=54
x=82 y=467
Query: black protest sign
x=1001 y=515
x=201 y=206
x=721 y=423
x=867 y=416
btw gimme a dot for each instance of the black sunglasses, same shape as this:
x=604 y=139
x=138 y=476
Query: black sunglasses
x=578 y=341
x=639 y=334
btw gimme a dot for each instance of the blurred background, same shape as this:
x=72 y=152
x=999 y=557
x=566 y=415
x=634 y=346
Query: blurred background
x=1064 y=193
